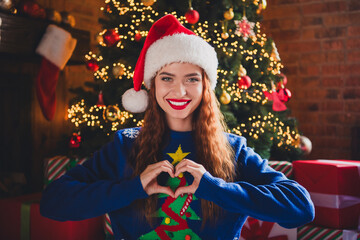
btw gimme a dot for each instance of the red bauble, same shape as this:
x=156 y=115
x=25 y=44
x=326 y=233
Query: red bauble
x=33 y=9
x=75 y=141
x=92 y=65
x=111 y=37
x=244 y=82
x=138 y=37
x=284 y=94
x=192 y=16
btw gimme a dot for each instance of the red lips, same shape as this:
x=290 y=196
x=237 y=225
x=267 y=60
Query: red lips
x=178 y=104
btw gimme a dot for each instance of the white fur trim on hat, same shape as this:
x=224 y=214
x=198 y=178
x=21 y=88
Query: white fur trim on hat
x=56 y=45
x=135 y=101
x=180 y=48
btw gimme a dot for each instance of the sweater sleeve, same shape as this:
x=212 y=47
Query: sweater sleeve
x=101 y=185
x=259 y=191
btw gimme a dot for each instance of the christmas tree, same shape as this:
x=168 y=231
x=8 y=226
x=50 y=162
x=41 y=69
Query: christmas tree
x=251 y=88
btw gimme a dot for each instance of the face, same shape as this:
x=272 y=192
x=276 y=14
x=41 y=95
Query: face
x=178 y=90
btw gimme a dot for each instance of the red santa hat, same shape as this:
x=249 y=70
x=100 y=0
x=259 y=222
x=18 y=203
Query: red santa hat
x=167 y=42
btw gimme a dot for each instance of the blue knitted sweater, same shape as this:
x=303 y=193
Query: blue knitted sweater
x=104 y=184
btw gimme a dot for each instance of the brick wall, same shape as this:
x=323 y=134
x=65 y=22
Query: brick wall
x=319 y=44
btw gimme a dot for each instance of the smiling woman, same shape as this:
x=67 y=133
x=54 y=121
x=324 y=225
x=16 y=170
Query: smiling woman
x=178 y=90
x=179 y=176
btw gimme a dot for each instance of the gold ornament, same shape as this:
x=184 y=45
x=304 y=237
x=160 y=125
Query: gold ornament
x=118 y=71
x=242 y=71
x=225 y=98
x=225 y=35
x=111 y=113
x=229 y=14
x=148 y=3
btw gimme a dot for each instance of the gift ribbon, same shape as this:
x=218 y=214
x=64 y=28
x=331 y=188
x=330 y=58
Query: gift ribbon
x=334 y=201
x=354 y=164
x=25 y=221
x=257 y=232
x=350 y=235
x=337 y=201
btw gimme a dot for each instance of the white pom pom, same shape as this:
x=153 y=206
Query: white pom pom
x=135 y=101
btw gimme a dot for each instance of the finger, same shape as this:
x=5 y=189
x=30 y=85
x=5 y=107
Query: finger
x=186 y=168
x=164 y=168
x=184 y=162
x=150 y=174
x=183 y=190
x=162 y=163
x=166 y=190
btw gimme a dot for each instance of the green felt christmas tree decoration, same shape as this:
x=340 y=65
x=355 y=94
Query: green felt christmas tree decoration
x=175 y=211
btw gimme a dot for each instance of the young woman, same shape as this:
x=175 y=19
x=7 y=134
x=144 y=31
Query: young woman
x=180 y=176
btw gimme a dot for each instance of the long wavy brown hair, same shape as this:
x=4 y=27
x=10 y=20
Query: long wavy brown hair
x=213 y=150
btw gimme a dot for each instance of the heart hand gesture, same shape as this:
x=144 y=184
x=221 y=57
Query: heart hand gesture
x=149 y=176
x=195 y=169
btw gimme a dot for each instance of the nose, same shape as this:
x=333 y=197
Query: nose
x=179 y=89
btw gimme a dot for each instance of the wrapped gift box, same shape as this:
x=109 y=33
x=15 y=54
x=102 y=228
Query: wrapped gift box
x=310 y=232
x=55 y=167
x=20 y=219
x=283 y=166
x=255 y=229
x=334 y=186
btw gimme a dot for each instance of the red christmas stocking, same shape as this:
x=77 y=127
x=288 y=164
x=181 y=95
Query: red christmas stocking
x=56 y=47
x=46 y=87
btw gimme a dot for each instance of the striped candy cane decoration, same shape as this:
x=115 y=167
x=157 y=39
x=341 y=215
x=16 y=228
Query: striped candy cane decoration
x=282 y=166
x=108 y=229
x=310 y=233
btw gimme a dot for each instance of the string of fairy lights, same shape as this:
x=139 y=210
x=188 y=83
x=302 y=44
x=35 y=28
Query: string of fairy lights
x=229 y=44
x=259 y=124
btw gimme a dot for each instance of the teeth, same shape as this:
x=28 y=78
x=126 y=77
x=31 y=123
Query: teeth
x=178 y=103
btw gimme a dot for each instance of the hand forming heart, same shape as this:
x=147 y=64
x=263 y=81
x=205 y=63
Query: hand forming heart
x=149 y=176
x=195 y=169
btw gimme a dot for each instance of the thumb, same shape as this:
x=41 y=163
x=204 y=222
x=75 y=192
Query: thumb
x=183 y=190
x=166 y=190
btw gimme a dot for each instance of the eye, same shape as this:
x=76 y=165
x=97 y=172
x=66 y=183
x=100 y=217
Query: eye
x=193 y=80
x=166 y=79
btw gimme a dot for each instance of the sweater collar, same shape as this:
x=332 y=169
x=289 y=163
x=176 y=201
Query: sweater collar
x=175 y=134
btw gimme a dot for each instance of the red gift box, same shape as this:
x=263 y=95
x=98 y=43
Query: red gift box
x=334 y=186
x=20 y=219
x=255 y=229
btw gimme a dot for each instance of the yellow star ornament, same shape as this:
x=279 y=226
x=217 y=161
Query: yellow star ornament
x=178 y=155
